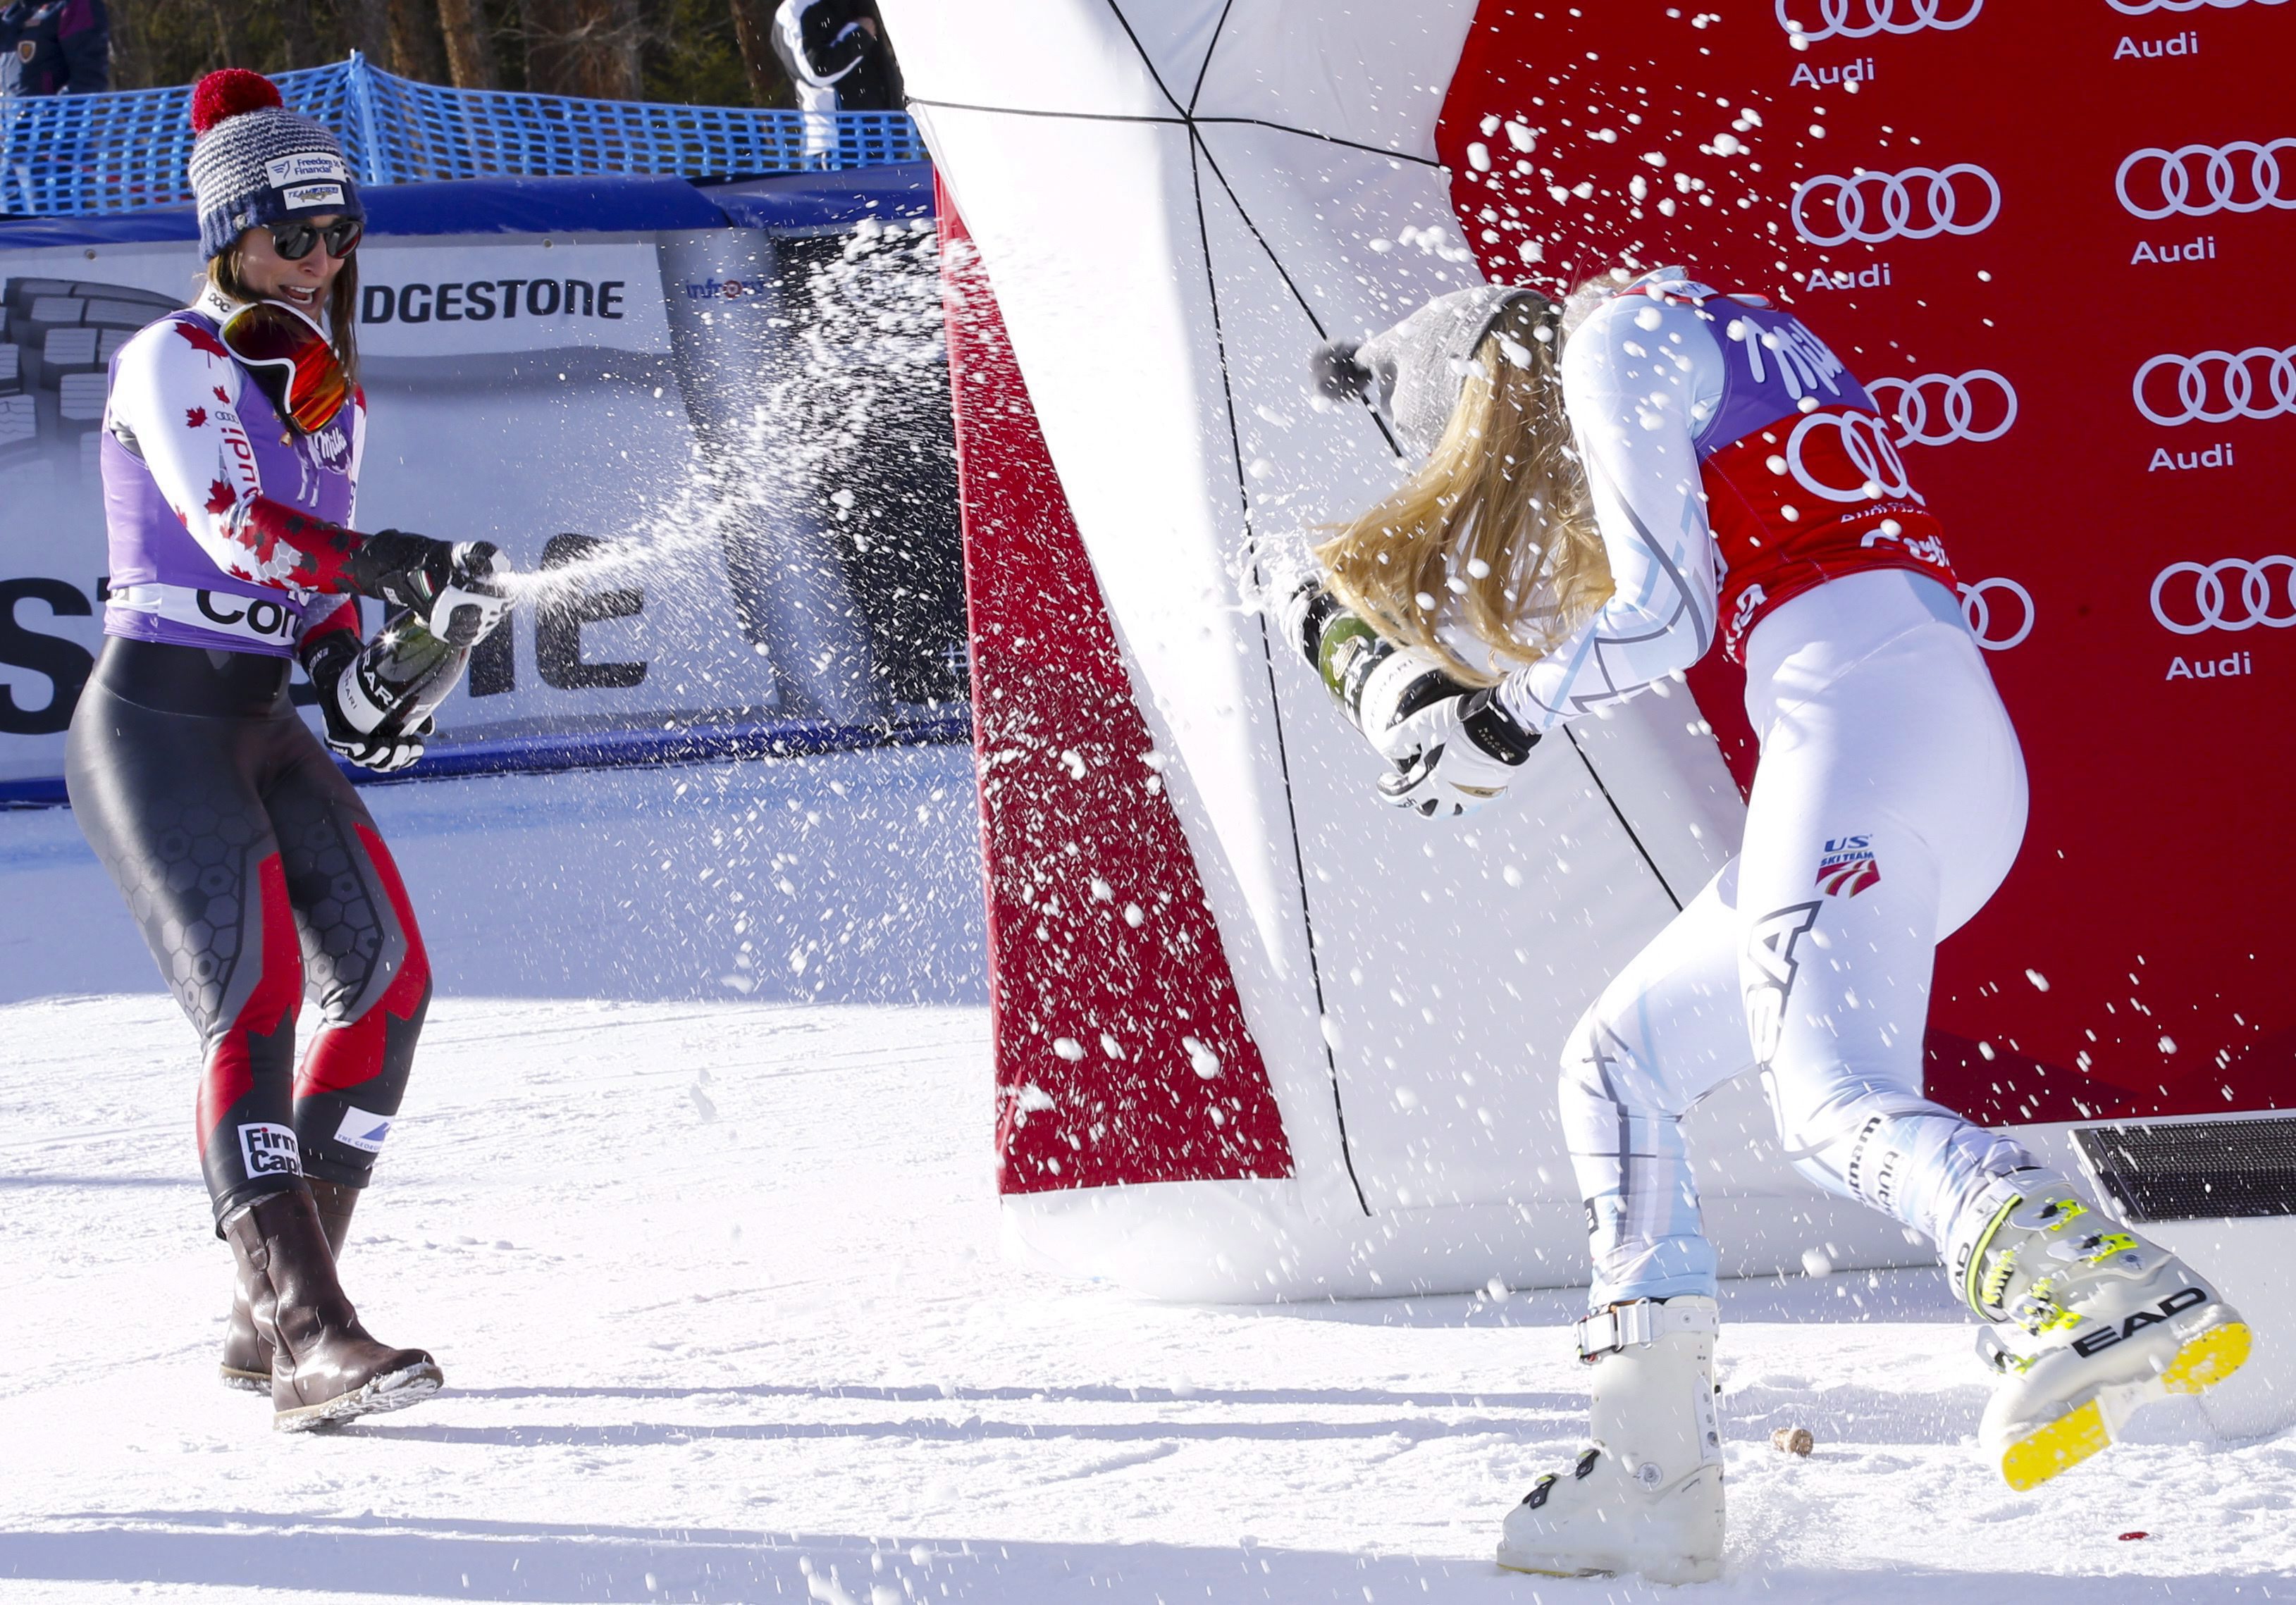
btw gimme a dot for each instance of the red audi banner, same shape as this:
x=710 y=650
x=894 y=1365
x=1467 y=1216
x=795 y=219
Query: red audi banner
x=2051 y=239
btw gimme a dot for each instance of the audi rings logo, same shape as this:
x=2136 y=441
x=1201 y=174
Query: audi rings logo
x=1865 y=442
x=2217 y=387
x=1863 y=18
x=1937 y=409
x=2138 y=8
x=1916 y=204
x=1991 y=607
x=2233 y=594
x=2193 y=181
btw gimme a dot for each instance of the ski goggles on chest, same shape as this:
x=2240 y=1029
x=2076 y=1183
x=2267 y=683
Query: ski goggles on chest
x=291 y=360
x=293 y=240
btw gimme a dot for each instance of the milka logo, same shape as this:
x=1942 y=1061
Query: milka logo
x=1802 y=360
x=311 y=167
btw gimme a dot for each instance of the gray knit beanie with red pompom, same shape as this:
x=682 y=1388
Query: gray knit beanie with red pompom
x=254 y=162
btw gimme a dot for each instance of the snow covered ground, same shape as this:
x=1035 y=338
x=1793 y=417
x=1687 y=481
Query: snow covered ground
x=704 y=1237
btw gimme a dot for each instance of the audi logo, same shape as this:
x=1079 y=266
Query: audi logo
x=1916 y=204
x=1937 y=409
x=2190 y=598
x=2163 y=180
x=2137 y=8
x=1866 y=441
x=2217 y=387
x=1977 y=611
x=1836 y=21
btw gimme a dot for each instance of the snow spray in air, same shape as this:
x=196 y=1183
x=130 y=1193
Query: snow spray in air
x=808 y=380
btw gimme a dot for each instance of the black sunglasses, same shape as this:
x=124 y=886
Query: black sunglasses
x=293 y=240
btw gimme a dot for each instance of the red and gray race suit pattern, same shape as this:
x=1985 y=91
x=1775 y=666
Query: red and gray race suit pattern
x=258 y=876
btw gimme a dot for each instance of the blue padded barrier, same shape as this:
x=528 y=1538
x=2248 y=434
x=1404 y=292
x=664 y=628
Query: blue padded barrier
x=599 y=203
x=798 y=201
x=550 y=754
x=68 y=155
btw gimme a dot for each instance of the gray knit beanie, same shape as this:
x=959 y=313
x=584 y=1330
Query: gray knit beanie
x=1413 y=372
x=254 y=162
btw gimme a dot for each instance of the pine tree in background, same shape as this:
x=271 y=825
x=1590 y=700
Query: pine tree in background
x=707 y=53
x=418 y=48
x=470 y=43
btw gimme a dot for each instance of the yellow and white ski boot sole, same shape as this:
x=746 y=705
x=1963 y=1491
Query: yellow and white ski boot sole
x=2188 y=1349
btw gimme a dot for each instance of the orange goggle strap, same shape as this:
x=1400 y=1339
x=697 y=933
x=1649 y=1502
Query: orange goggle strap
x=291 y=358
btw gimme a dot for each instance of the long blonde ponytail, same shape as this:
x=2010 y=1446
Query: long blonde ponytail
x=1495 y=531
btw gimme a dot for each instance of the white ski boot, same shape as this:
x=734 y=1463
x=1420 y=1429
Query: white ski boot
x=2090 y=1323
x=1646 y=1493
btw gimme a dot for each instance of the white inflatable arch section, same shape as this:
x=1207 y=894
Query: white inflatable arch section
x=1175 y=202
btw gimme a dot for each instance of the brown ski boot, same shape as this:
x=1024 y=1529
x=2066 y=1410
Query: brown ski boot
x=325 y=1367
x=246 y=1352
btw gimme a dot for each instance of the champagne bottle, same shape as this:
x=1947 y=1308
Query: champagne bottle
x=1377 y=683
x=400 y=677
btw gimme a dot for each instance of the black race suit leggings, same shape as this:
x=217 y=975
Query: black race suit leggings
x=256 y=874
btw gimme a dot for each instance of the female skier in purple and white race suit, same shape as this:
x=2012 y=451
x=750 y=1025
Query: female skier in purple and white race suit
x=1699 y=469
x=230 y=460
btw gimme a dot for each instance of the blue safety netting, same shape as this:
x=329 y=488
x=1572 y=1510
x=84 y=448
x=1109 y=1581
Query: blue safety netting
x=69 y=155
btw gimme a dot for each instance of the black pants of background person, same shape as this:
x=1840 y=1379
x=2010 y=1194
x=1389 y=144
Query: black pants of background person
x=256 y=873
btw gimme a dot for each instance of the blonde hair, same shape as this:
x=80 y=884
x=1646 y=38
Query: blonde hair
x=1499 y=518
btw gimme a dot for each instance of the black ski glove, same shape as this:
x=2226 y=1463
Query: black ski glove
x=455 y=588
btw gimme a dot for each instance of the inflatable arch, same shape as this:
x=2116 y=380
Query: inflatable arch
x=1258 y=1037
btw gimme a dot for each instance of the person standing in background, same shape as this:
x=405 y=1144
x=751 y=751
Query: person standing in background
x=54 y=47
x=232 y=436
x=836 y=56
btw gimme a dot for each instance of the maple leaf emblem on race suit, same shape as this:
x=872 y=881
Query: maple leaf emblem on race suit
x=200 y=340
x=221 y=497
x=196 y=417
x=219 y=395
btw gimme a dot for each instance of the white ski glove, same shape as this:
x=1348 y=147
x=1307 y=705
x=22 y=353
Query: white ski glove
x=1454 y=756
x=473 y=600
x=351 y=727
x=457 y=589
x=383 y=754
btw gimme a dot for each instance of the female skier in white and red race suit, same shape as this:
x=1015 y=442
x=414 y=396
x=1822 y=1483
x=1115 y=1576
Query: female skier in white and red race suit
x=230 y=457
x=1604 y=489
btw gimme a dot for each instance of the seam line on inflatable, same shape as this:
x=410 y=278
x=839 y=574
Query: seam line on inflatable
x=1197 y=157
x=1178 y=120
x=1211 y=49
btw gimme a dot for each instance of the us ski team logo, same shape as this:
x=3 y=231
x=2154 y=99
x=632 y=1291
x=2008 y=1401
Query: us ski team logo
x=1848 y=867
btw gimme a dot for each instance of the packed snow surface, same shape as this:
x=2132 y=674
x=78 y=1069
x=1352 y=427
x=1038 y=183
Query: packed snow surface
x=707 y=1249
